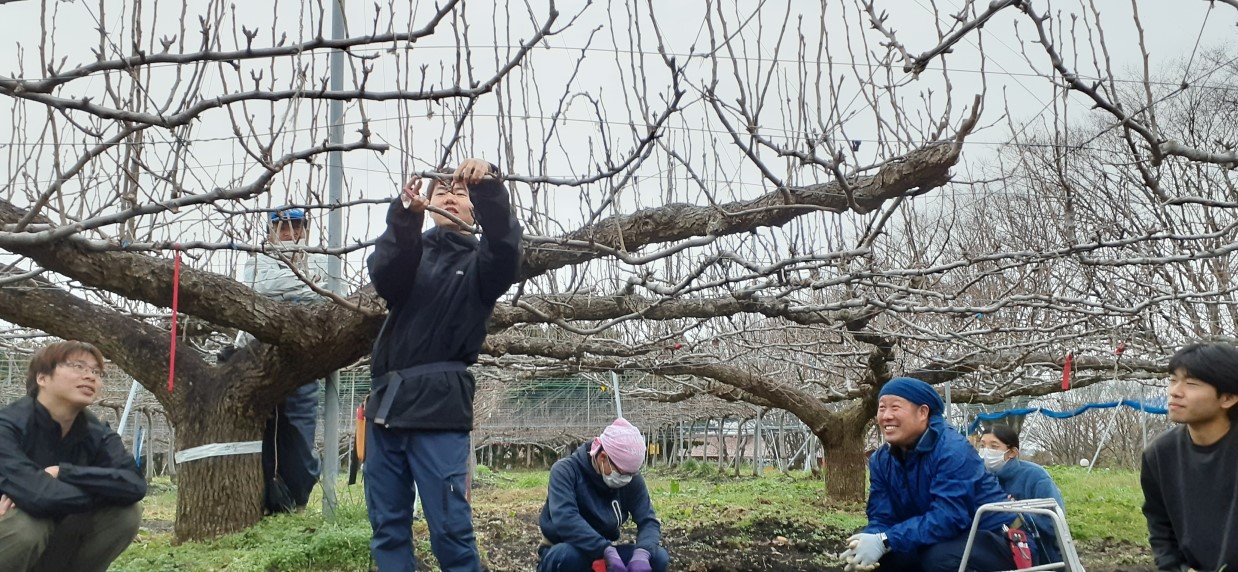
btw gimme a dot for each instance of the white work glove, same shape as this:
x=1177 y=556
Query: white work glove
x=863 y=552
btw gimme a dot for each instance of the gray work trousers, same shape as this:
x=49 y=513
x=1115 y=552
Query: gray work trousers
x=80 y=542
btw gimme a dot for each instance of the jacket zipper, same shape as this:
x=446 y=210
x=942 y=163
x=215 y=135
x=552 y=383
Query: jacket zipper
x=614 y=505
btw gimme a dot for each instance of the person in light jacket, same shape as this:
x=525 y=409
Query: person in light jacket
x=290 y=464
x=999 y=448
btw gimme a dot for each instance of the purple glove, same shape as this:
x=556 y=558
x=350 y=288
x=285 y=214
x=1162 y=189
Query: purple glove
x=613 y=562
x=640 y=561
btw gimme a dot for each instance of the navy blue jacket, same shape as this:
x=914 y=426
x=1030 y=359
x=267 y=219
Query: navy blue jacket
x=1026 y=480
x=585 y=513
x=440 y=288
x=930 y=494
x=95 y=469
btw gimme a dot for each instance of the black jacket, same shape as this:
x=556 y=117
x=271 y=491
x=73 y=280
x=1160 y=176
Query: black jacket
x=95 y=469
x=440 y=288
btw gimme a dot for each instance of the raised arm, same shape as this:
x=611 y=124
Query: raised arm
x=499 y=251
x=397 y=254
x=500 y=240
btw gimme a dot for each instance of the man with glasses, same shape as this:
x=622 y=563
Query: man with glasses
x=68 y=489
x=590 y=495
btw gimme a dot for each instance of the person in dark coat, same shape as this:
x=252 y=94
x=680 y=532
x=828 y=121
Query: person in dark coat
x=1189 y=489
x=68 y=489
x=999 y=448
x=440 y=287
x=926 y=483
x=589 y=497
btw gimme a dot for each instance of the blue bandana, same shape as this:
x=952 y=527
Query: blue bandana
x=915 y=391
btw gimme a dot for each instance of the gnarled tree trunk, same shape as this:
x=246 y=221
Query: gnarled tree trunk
x=222 y=494
x=844 y=462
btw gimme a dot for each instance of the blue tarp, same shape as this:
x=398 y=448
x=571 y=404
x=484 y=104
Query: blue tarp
x=1136 y=405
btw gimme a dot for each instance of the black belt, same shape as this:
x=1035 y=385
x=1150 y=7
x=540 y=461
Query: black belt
x=391 y=382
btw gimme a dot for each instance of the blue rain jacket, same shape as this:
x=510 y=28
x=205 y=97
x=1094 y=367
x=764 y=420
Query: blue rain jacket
x=930 y=493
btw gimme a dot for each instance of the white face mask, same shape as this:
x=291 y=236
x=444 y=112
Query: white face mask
x=994 y=460
x=301 y=241
x=616 y=480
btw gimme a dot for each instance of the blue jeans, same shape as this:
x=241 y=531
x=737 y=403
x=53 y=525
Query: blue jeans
x=288 y=450
x=564 y=557
x=437 y=461
x=990 y=552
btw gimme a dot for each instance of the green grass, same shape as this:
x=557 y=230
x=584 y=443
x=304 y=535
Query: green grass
x=300 y=542
x=1102 y=506
x=693 y=499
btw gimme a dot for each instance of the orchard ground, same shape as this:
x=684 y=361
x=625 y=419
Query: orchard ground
x=711 y=523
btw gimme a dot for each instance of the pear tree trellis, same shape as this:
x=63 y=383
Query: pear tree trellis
x=733 y=208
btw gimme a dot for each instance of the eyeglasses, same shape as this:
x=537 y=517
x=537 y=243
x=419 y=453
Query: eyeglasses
x=83 y=368
x=616 y=467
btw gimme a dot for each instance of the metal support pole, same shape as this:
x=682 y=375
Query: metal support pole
x=947 y=384
x=133 y=391
x=614 y=381
x=1104 y=438
x=758 y=450
x=335 y=239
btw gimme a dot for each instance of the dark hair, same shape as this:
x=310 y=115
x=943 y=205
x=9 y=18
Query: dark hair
x=435 y=181
x=1005 y=434
x=50 y=356
x=1215 y=364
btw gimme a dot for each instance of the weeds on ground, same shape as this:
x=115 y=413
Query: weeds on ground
x=1105 y=504
x=301 y=542
x=777 y=510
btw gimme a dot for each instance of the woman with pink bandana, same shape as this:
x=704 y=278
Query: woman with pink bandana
x=591 y=494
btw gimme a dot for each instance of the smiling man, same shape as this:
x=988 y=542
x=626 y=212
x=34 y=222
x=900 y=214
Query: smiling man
x=68 y=488
x=926 y=483
x=1189 y=486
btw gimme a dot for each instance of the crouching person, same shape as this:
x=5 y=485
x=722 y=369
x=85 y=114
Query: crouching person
x=68 y=489
x=925 y=485
x=591 y=494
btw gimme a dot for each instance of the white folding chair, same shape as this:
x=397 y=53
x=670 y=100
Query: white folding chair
x=1045 y=507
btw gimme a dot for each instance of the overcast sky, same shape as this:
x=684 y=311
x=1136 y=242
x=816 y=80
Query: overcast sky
x=620 y=67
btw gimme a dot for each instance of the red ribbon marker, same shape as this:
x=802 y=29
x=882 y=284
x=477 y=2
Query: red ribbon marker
x=1070 y=357
x=176 y=282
